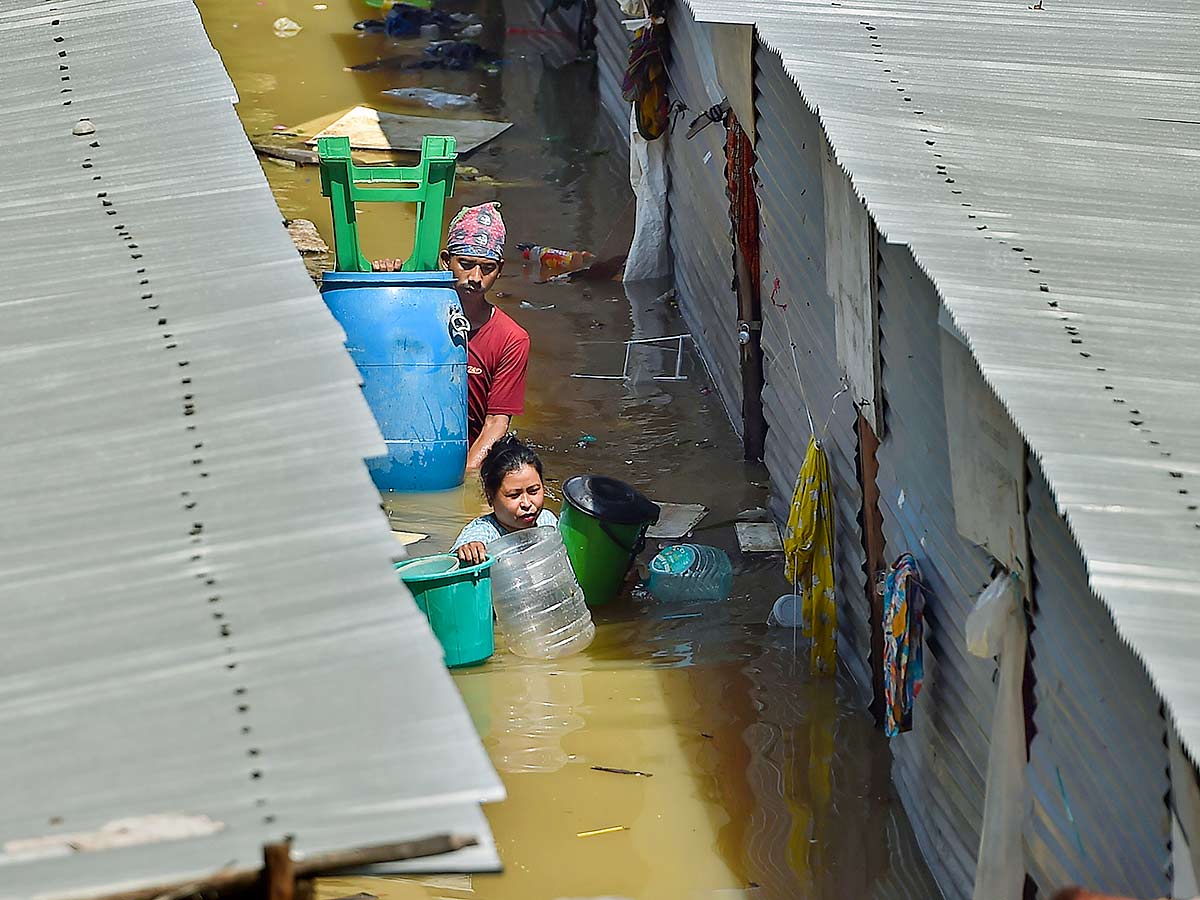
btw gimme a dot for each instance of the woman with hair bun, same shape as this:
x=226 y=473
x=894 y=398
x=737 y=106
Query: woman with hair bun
x=511 y=475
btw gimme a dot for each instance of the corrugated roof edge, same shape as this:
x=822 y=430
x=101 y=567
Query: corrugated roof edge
x=1189 y=731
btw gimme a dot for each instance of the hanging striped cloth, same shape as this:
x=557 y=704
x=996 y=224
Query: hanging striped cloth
x=903 y=643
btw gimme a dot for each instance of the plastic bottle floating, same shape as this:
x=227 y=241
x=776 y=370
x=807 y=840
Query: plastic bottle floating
x=690 y=572
x=555 y=262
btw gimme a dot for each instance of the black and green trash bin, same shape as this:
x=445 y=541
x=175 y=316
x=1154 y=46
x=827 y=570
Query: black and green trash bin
x=603 y=524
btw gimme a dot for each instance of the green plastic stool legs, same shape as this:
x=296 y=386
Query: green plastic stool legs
x=429 y=184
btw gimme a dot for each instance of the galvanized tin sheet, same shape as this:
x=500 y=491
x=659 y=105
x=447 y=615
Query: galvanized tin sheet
x=1098 y=764
x=612 y=56
x=701 y=246
x=201 y=615
x=940 y=766
x=1040 y=164
x=800 y=354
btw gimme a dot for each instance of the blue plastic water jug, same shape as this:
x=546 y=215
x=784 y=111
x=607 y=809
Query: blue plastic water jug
x=408 y=337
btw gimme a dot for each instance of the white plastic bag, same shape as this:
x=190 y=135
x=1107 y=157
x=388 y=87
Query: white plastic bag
x=649 y=251
x=996 y=626
x=989 y=618
x=286 y=28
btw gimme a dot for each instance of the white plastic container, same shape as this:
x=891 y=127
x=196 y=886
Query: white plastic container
x=788 y=612
x=538 y=602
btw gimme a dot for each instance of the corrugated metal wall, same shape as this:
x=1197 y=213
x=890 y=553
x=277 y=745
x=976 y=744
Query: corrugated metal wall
x=1099 y=728
x=941 y=765
x=792 y=234
x=612 y=55
x=699 y=218
x=1097 y=715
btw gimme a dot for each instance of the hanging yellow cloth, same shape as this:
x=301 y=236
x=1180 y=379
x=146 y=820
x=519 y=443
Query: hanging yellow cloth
x=808 y=555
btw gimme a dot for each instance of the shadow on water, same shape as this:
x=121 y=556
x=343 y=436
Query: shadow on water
x=763 y=783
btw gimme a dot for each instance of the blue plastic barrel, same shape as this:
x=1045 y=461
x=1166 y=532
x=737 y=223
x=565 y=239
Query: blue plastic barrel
x=402 y=333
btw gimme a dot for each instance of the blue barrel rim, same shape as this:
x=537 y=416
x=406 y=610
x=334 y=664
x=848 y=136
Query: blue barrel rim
x=345 y=280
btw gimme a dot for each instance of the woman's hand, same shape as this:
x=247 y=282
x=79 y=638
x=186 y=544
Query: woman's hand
x=471 y=554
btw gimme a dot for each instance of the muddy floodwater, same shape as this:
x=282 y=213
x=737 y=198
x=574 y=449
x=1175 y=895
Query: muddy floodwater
x=759 y=781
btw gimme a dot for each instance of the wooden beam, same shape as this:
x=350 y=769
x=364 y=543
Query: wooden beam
x=231 y=879
x=279 y=872
x=874 y=549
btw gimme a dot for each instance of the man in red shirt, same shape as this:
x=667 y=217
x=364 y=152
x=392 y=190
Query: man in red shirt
x=497 y=347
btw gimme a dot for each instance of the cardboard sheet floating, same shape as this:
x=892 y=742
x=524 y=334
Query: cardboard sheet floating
x=409 y=537
x=759 y=537
x=370 y=129
x=676 y=520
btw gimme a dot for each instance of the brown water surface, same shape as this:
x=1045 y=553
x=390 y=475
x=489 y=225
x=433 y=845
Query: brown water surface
x=763 y=783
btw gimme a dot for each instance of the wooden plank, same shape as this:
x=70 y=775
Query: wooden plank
x=875 y=550
x=676 y=520
x=758 y=537
x=744 y=220
x=370 y=129
x=850 y=270
x=279 y=872
x=317 y=864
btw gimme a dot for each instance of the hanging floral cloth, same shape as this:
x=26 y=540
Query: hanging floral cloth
x=645 y=84
x=808 y=555
x=903 y=643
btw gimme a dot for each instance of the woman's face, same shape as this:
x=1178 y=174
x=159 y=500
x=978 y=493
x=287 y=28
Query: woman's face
x=519 y=500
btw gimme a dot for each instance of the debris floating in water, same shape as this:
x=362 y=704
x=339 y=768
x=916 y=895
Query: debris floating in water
x=758 y=537
x=676 y=520
x=305 y=236
x=622 y=771
x=434 y=99
x=371 y=129
x=286 y=28
x=610 y=830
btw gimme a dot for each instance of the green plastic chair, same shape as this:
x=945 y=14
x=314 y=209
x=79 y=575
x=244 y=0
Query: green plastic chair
x=428 y=184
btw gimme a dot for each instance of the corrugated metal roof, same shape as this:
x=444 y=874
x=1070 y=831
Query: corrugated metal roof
x=200 y=613
x=1041 y=164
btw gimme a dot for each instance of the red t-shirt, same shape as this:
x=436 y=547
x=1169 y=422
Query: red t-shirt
x=497 y=357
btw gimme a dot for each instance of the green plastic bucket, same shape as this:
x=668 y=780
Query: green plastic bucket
x=603 y=524
x=457 y=602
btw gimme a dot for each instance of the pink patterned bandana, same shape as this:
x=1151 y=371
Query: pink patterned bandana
x=477 y=231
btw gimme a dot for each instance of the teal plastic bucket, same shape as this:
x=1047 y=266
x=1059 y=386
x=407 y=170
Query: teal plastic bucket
x=457 y=602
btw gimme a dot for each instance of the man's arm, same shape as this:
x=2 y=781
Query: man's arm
x=505 y=400
x=494 y=428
